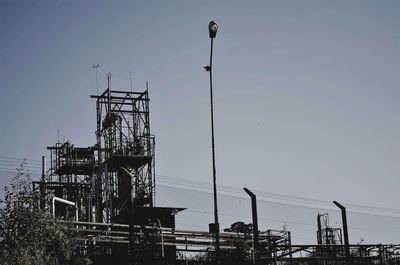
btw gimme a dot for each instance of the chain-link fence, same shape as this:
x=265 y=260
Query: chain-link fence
x=277 y=212
x=366 y=225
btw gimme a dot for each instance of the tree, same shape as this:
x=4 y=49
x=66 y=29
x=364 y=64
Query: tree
x=240 y=227
x=240 y=254
x=29 y=235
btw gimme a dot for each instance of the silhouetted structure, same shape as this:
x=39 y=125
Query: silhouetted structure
x=113 y=181
x=107 y=191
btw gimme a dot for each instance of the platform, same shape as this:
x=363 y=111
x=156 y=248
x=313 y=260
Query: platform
x=115 y=162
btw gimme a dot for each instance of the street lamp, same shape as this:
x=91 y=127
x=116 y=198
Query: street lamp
x=214 y=228
x=212 y=29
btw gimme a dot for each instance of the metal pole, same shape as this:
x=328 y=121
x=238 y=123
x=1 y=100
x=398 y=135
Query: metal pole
x=132 y=221
x=98 y=184
x=96 y=66
x=131 y=215
x=162 y=238
x=255 y=222
x=345 y=232
x=319 y=235
x=43 y=168
x=217 y=249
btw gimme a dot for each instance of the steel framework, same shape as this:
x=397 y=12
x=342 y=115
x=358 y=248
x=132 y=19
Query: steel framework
x=275 y=245
x=70 y=178
x=111 y=187
x=95 y=177
x=124 y=143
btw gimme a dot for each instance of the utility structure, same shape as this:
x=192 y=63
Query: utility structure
x=69 y=178
x=124 y=143
x=107 y=190
x=328 y=238
x=112 y=181
x=327 y=235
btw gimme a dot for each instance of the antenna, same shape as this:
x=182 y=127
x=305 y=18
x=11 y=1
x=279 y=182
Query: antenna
x=58 y=135
x=96 y=66
x=130 y=76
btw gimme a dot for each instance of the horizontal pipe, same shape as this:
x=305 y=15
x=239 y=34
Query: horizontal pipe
x=63 y=201
x=60 y=200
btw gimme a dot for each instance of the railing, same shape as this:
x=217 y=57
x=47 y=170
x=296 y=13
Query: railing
x=200 y=241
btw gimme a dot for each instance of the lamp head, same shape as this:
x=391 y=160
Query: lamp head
x=212 y=29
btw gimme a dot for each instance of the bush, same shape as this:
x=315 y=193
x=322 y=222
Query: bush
x=29 y=235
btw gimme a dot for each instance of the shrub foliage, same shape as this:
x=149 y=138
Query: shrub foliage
x=29 y=235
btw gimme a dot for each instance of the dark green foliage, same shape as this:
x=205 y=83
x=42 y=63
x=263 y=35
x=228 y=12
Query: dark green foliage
x=29 y=235
x=240 y=227
x=240 y=254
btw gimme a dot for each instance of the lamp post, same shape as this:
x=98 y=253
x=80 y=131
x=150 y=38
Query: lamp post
x=214 y=228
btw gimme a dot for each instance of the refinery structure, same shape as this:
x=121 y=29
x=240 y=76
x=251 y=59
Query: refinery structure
x=106 y=191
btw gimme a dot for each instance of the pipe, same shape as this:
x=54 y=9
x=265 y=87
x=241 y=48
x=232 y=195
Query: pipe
x=60 y=200
x=255 y=222
x=43 y=168
x=162 y=237
x=131 y=216
x=345 y=231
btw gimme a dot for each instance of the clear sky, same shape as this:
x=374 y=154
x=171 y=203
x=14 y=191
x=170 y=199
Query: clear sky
x=306 y=92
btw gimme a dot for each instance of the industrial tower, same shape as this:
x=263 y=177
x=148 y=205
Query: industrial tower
x=124 y=147
x=100 y=180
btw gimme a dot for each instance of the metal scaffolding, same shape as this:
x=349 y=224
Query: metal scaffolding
x=69 y=178
x=124 y=142
x=107 y=192
x=95 y=177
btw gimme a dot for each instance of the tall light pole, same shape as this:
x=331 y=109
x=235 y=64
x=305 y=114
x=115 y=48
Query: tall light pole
x=214 y=228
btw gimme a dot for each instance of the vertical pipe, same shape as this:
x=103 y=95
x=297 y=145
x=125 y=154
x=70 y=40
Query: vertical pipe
x=51 y=162
x=345 y=231
x=255 y=221
x=162 y=238
x=96 y=66
x=107 y=186
x=130 y=77
x=132 y=178
x=120 y=134
x=319 y=235
x=109 y=92
x=43 y=168
x=290 y=246
x=42 y=185
x=98 y=183
x=132 y=220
